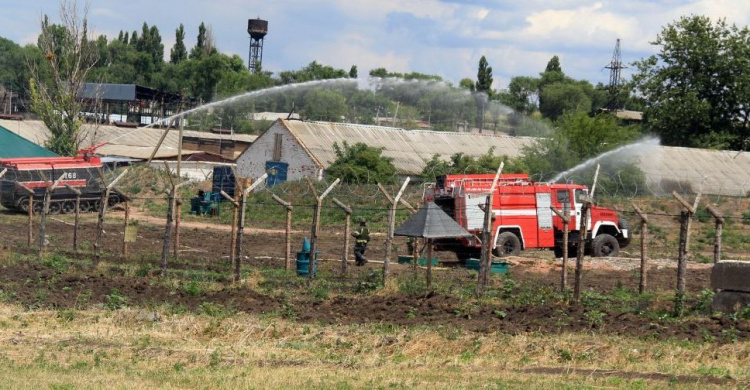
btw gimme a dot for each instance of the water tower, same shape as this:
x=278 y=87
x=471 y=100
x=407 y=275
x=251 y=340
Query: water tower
x=257 y=28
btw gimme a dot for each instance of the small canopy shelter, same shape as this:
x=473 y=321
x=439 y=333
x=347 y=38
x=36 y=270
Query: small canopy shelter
x=430 y=222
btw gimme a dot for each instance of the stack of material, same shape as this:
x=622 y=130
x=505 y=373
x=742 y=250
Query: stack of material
x=732 y=279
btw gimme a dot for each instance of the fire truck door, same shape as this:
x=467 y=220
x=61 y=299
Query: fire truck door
x=578 y=205
x=474 y=215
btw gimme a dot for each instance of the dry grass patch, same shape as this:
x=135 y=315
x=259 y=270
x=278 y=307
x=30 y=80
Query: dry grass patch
x=131 y=348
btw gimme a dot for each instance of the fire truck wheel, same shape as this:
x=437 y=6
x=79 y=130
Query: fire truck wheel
x=508 y=244
x=605 y=245
x=54 y=207
x=68 y=207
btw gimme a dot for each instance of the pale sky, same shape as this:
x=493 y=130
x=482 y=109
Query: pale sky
x=444 y=37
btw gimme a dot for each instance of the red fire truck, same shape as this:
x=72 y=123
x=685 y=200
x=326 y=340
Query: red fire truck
x=522 y=216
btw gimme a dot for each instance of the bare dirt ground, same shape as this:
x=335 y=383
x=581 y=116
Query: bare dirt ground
x=205 y=248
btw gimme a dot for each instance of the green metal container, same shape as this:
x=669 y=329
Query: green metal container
x=497 y=267
x=422 y=261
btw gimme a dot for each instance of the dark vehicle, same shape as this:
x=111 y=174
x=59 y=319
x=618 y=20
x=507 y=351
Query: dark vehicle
x=80 y=172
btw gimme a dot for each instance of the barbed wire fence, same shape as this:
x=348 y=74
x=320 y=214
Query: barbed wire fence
x=265 y=229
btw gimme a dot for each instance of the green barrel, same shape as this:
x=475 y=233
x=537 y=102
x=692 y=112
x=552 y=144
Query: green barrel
x=303 y=263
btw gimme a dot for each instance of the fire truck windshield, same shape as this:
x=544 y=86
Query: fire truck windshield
x=579 y=194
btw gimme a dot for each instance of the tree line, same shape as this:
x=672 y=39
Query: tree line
x=692 y=93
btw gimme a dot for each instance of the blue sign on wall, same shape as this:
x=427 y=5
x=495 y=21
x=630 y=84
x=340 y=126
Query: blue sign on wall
x=276 y=171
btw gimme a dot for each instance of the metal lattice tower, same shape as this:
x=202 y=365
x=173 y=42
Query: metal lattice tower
x=257 y=28
x=615 y=83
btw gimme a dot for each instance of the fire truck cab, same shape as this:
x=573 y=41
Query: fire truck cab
x=523 y=218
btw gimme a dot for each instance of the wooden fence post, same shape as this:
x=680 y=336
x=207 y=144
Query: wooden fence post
x=348 y=218
x=241 y=225
x=316 y=223
x=167 y=232
x=102 y=211
x=30 y=211
x=429 y=263
x=719 y=219
x=236 y=204
x=177 y=220
x=125 y=229
x=643 y=282
x=391 y=228
x=235 y=218
x=78 y=213
x=171 y=202
x=288 y=235
x=565 y=216
x=51 y=187
x=582 y=239
x=485 y=261
x=686 y=216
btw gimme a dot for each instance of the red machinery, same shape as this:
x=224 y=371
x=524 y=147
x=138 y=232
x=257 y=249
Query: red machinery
x=37 y=173
x=523 y=218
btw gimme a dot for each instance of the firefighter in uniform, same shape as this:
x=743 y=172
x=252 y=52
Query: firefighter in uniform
x=362 y=236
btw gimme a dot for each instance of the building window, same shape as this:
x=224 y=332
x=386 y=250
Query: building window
x=277 y=148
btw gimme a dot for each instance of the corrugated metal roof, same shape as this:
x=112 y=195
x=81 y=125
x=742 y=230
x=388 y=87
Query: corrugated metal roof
x=669 y=168
x=409 y=149
x=107 y=91
x=431 y=222
x=123 y=142
x=12 y=145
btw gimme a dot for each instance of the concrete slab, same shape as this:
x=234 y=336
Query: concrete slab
x=731 y=275
x=731 y=301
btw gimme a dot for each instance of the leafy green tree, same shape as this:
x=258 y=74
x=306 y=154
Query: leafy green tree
x=69 y=58
x=353 y=72
x=576 y=138
x=460 y=163
x=323 y=104
x=179 y=51
x=696 y=89
x=553 y=65
x=484 y=77
x=466 y=83
x=558 y=98
x=203 y=45
x=523 y=92
x=313 y=71
x=360 y=163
